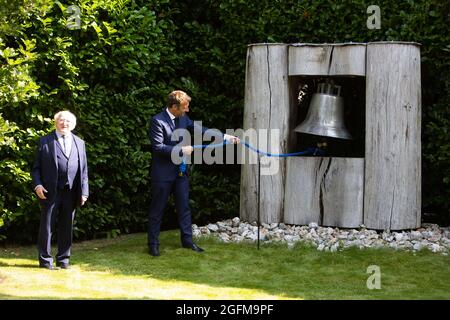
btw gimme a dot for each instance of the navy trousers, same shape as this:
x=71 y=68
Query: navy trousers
x=160 y=194
x=60 y=212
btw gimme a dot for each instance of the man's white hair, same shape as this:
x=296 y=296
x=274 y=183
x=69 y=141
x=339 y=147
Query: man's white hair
x=68 y=116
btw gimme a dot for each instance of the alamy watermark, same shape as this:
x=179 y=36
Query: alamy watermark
x=265 y=140
x=374 y=20
x=74 y=21
x=374 y=280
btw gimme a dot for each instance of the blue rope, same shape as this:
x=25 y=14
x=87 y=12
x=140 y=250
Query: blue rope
x=281 y=155
x=310 y=150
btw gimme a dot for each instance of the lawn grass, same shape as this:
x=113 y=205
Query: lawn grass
x=122 y=269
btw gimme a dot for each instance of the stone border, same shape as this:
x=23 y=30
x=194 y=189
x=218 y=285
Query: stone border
x=429 y=236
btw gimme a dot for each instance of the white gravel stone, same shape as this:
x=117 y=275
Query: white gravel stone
x=415 y=235
x=196 y=232
x=224 y=237
x=236 y=238
x=204 y=230
x=398 y=236
x=273 y=226
x=429 y=236
x=236 y=222
x=313 y=225
x=212 y=227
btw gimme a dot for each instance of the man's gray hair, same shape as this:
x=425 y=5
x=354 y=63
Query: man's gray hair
x=68 y=116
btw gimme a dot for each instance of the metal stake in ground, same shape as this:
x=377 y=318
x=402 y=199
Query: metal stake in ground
x=259 y=196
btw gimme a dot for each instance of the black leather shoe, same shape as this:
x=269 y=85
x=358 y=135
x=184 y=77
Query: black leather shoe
x=194 y=247
x=46 y=266
x=154 y=251
x=63 y=265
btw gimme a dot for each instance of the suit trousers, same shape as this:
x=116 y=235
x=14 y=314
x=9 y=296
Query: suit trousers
x=161 y=191
x=61 y=211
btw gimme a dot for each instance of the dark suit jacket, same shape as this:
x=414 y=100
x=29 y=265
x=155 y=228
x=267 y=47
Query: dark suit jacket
x=45 y=167
x=161 y=129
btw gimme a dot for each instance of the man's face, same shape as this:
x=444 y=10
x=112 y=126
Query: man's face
x=182 y=108
x=64 y=124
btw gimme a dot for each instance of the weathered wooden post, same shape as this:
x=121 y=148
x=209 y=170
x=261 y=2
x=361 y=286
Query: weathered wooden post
x=266 y=107
x=381 y=186
x=392 y=189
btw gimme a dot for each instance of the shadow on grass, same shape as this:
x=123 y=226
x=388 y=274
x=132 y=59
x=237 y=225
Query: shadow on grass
x=298 y=273
x=20 y=265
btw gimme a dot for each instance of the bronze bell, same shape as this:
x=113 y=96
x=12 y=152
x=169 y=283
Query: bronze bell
x=325 y=115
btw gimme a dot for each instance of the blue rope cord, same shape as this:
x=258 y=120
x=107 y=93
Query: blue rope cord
x=309 y=150
x=281 y=155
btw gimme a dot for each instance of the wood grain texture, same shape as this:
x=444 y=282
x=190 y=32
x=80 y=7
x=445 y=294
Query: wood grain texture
x=392 y=198
x=302 y=202
x=343 y=193
x=328 y=191
x=328 y=60
x=266 y=108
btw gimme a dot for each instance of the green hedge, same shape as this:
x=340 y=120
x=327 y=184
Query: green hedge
x=117 y=69
x=219 y=31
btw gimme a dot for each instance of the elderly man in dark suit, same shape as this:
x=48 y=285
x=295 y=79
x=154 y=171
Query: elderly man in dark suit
x=60 y=177
x=166 y=176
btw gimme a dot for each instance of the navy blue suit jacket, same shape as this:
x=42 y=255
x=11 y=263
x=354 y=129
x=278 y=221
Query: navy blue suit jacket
x=45 y=167
x=161 y=129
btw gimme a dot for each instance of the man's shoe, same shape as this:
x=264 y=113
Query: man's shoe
x=63 y=265
x=154 y=251
x=194 y=247
x=46 y=266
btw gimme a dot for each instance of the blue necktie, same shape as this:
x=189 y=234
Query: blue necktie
x=182 y=167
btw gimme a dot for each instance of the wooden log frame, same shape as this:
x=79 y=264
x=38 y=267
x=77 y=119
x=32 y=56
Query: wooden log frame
x=328 y=191
x=266 y=107
x=327 y=59
x=391 y=176
x=392 y=197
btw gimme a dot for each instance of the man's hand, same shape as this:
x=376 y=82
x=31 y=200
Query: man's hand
x=83 y=200
x=40 y=192
x=232 y=139
x=235 y=140
x=187 y=150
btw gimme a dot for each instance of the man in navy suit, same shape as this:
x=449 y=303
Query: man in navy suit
x=60 y=177
x=166 y=176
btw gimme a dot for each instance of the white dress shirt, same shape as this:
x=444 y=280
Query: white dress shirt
x=171 y=116
x=68 y=141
